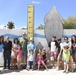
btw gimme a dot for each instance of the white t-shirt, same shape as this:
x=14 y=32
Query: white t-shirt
x=61 y=45
x=53 y=47
x=31 y=57
x=68 y=44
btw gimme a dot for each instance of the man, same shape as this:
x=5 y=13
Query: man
x=7 y=46
x=23 y=42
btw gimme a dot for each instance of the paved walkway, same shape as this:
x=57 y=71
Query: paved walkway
x=25 y=72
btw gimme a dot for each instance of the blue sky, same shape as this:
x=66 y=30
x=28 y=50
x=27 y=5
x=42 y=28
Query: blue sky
x=16 y=10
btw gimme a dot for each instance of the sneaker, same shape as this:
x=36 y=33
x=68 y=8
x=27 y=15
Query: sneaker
x=67 y=72
x=64 y=71
x=53 y=67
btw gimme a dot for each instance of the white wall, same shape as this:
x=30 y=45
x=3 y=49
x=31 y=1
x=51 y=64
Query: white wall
x=39 y=35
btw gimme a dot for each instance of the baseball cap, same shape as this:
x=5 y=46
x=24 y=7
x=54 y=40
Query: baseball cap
x=23 y=33
x=65 y=38
x=31 y=38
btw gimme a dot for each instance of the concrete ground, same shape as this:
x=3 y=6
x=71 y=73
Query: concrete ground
x=35 y=72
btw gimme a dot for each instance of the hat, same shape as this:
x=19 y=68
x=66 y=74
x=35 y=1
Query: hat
x=31 y=38
x=23 y=33
x=65 y=38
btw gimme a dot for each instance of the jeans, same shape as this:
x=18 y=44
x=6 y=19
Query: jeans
x=7 y=57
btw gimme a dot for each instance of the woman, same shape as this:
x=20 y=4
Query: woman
x=1 y=47
x=13 y=54
x=73 y=49
x=19 y=56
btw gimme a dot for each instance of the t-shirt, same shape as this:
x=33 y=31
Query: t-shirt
x=61 y=45
x=66 y=54
x=30 y=58
x=53 y=47
x=23 y=43
x=31 y=46
x=66 y=43
x=1 y=46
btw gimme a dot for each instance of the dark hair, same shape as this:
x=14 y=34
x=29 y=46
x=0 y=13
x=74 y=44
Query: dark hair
x=20 y=47
x=2 y=37
x=72 y=41
x=59 y=39
x=17 y=40
x=54 y=37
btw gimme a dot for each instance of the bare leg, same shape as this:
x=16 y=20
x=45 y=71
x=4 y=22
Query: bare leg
x=12 y=60
x=24 y=58
x=18 y=62
x=38 y=67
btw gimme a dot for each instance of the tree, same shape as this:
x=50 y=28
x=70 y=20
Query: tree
x=70 y=23
x=10 y=25
x=23 y=28
x=40 y=27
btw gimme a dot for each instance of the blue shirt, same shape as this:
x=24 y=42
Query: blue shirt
x=1 y=46
x=31 y=46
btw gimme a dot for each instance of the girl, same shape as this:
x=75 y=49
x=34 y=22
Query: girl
x=19 y=56
x=44 y=56
x=13 y=54
x=66 y=55
x=30 y=59
x=40 y=60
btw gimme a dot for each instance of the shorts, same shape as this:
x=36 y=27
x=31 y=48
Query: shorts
x=66 y=62
x=30 y=63
x=53 y=56
x=72 y=52
x=60 y=55
x=75 y=51
x=24 y=53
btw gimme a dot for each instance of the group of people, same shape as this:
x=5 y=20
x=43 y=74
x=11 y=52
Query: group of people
x=61 y=54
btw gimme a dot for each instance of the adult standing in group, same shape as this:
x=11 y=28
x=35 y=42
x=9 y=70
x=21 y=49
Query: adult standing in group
x=1 y=43
x=1 y=47
x=23 y=42
x=15 y=45
x=7 y=46
x=73 y=49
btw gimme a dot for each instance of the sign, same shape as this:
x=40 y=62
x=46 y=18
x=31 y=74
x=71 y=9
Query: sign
x=30 y=21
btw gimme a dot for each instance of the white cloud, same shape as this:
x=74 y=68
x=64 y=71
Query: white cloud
x=1 y=26
x=35 y=2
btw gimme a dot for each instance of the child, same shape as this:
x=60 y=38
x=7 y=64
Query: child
x=44 y=55
x=19 y=55
x=53 y=52
x=30 y=59
x=40 y=60
x=66 y=54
